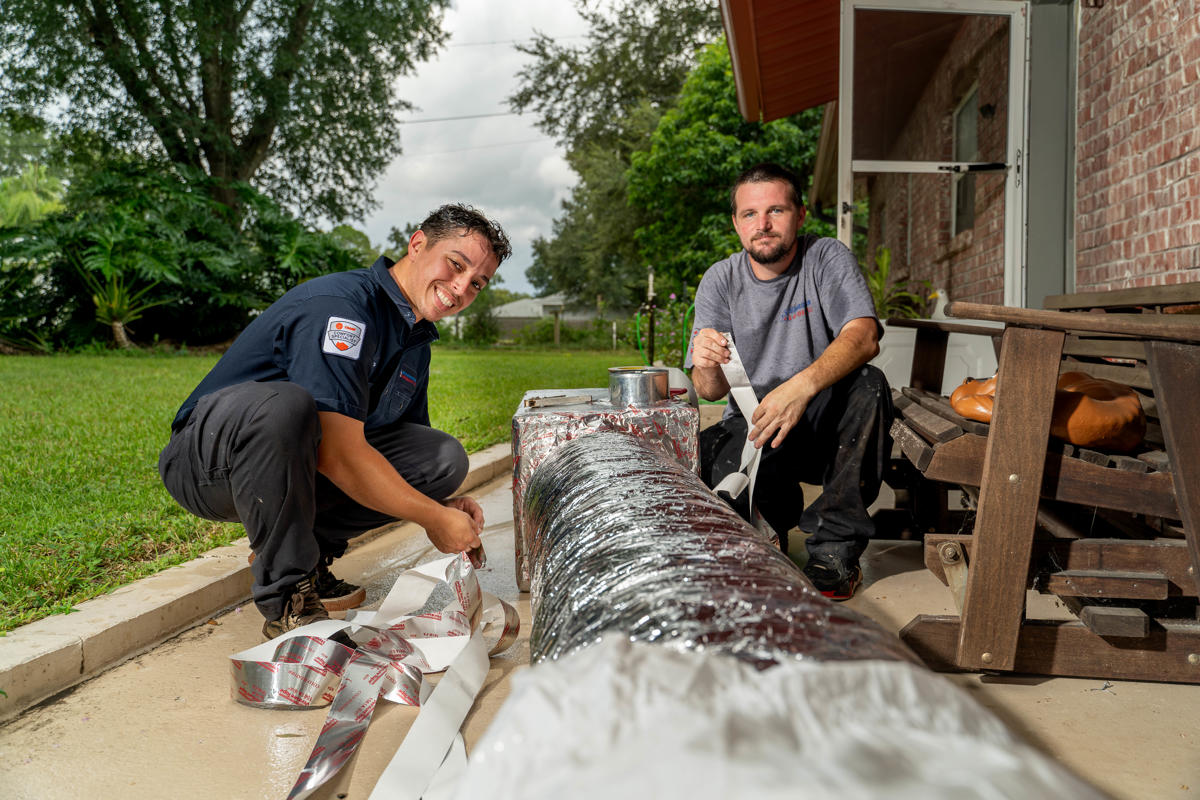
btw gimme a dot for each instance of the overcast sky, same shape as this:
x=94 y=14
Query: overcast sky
x=502 y=164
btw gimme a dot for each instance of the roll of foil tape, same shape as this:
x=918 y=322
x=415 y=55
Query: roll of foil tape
x=392 y=649
x=624 y=539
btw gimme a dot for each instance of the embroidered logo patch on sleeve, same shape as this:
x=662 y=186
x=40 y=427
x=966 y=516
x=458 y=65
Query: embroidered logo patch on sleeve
x=343 y=337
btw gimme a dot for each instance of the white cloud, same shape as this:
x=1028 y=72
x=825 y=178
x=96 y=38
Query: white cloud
x=501 y=164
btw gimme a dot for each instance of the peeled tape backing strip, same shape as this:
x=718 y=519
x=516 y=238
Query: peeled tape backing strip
x=394 y=649
x=747 y=402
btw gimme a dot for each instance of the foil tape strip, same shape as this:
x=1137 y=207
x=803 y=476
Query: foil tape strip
x=747 y=402
x=623 y=539
x=394 y=648
x=673 y=427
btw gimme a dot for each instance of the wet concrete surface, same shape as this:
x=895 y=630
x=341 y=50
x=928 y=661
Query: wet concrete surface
x=164 y=725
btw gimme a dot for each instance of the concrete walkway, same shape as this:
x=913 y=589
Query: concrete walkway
x=163 y=724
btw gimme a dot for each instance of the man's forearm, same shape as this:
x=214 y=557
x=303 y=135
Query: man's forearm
x=369 y=479
x=710 y=382
x=854 y=346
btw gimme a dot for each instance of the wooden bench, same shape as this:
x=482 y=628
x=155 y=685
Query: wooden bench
x=1113 y=536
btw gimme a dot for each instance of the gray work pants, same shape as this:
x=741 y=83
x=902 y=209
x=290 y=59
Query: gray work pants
x=248 y=453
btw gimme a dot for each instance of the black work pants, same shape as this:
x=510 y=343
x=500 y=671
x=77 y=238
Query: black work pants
x=248 y=453
x=841 y=442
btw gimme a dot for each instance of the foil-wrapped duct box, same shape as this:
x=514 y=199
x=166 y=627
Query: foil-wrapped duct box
x=546 y=418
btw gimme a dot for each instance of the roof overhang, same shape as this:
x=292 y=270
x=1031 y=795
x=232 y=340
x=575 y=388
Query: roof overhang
x=784 y=54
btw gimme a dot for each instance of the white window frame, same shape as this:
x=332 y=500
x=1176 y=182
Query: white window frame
x=1016 y=136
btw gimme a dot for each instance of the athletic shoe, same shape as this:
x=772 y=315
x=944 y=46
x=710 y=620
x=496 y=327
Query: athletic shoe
x=335 y=593
x=301 y=608
x=833 y=577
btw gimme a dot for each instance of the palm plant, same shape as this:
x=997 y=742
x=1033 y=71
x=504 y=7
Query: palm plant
x=117 y=303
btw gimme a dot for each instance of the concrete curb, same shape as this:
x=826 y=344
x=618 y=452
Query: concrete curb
x=43 y=658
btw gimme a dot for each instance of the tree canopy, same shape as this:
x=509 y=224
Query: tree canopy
x=638 y=51
x=603 y=100
x=681 y=181
x=294 y=96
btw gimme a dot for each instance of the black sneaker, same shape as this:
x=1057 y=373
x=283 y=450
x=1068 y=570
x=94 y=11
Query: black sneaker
x=301 y=608
x=335 y=593
x=833 y=577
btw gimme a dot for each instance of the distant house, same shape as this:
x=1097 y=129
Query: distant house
x=1006 y=150
x=519 y=313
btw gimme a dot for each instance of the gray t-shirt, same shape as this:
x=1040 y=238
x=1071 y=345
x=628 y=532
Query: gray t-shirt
x=782 y=325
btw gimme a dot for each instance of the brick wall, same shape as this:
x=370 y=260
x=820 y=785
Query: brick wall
x=1138 y=148
x=911 y=214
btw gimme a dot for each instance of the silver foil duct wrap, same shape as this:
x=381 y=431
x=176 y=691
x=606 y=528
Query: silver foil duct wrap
x=546 y=418
x=623 y=539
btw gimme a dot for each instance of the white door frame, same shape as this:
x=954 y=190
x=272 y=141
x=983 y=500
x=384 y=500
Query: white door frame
x=1017 y=136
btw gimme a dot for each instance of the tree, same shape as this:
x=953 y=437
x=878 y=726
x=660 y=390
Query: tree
x=681 y=181
x=592 y=255
x=296 y=96
x=139 y=240
x=638 y=51
x=603 y=100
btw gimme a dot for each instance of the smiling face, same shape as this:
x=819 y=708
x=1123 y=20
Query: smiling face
x=443 y=277
x=767 y=221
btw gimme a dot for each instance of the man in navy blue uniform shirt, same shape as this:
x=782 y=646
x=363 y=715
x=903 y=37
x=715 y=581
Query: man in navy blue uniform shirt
x=314 y=425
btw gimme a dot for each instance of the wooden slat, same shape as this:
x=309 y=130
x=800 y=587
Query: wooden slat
x=1175 y=369
x=1068 y=479
x=1154 y=326
x=947 y=327
x=1012 y=478
x=1102 y=583
x=1092 y=456
x=1105 y=348
x=1126 y=298
x=941 y=406
x=1070 y=649
x=1129 y=463
x=913 y=446
x=1119 y=621
x=934 y=428
x=1156 y=459
x=1168 y=557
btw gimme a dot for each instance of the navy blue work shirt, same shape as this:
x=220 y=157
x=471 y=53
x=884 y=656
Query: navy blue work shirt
x=350 y=339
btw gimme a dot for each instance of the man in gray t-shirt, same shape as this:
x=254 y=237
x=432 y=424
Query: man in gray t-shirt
x=805 y=327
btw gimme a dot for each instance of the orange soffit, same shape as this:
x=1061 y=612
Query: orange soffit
x=784 y=54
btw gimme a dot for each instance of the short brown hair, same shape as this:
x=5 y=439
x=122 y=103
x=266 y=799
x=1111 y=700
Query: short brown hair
x=767 y=172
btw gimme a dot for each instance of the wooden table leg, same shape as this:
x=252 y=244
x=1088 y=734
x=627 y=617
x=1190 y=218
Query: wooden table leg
x=1175 y=372
x=1008 y=498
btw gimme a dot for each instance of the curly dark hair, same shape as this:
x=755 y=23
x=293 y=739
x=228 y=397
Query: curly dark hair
x=458 y=219
x=767 y=172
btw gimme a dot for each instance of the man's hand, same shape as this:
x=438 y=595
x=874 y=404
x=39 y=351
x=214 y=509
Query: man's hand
x=469 y=507
x=778 y=413
x=709 y=352
x=457 y=528
x=709 y=349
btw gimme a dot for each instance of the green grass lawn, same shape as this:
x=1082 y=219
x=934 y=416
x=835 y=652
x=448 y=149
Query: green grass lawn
x=82 y=510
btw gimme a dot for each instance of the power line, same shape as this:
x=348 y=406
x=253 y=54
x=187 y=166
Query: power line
x=452 y=119
x=512 y=41
x=477 y=147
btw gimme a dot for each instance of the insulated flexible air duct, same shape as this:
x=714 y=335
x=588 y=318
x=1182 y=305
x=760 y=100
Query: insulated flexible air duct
x=623 y=539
